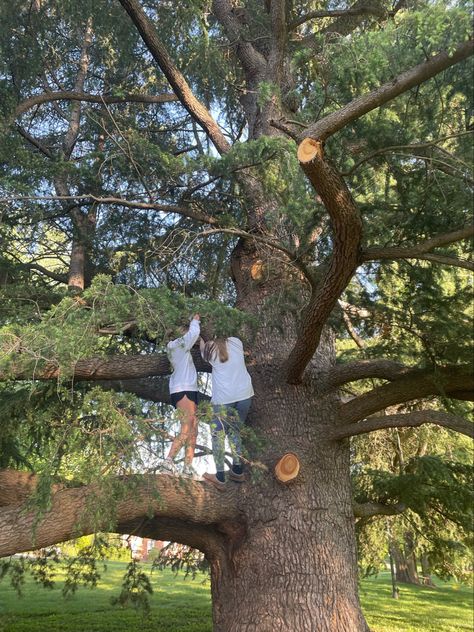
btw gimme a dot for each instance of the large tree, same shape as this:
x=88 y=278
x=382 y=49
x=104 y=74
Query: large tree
x=302 y=162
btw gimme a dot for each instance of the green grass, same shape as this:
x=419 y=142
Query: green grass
x=177 y=605
x=446 y=608
x=180 y=605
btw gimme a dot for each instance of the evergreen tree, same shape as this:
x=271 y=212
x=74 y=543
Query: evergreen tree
x=297 y=172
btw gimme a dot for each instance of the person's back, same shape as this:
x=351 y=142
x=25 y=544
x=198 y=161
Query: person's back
x=232 y=393
x=230 y=379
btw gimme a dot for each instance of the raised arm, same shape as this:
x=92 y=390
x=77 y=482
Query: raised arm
x=190 y=337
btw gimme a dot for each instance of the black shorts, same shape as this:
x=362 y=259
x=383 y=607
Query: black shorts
x=191 y=395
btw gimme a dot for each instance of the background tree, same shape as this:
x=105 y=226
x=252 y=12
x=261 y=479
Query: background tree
x=424 y=473
x=305 y=163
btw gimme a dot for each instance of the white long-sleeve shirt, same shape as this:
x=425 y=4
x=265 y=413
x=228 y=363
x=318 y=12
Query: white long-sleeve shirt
x=184 y=376
x=230 y=380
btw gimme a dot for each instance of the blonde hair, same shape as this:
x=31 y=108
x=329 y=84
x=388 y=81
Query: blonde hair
x=214 y=348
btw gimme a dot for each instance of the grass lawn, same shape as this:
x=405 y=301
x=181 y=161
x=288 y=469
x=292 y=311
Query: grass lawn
x=180 y=605
x=447 y=608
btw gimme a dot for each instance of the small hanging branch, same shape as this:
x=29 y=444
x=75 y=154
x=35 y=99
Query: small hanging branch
x=287 y=468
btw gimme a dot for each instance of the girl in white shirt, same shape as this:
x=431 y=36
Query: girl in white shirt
x=231 y=398
x=184 y=395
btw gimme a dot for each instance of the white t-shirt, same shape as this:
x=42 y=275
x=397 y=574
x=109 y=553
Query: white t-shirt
x=184 y=376
x=230 y=380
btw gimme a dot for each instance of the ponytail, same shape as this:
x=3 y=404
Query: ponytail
x=216 y=348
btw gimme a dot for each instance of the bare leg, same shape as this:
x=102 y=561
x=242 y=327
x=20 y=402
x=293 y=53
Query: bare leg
x=188 y=431
x=190 y=444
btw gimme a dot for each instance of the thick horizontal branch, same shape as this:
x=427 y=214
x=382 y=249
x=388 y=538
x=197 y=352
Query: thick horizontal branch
x=16 y=486
x=335 y=121
x=362 y=370
x=367 y=510
x=421 y=250
x=191 y=210
x=162 y=496
x=414 y=384
x=209 y=539
x=180 y=87
x=47 y=97
x=123 y=367
x=407 y=420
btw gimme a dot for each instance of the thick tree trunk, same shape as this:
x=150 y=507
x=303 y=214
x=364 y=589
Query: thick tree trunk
x=295 y=568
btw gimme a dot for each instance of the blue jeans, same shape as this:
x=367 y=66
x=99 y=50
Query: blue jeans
x=228 y=419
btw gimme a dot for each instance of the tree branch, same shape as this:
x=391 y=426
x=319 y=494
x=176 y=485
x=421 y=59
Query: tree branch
x=346 y=24
x=354 y=311
x=16 y=486
x=410 y=148
x=72 y=133
x=343 y=13
x=210 y=539
x=408 y=420
x=191 y=210
x=180 y=87
x=121 y=367
x=335 y=121
x=253 y=62
x=293 y=258
x=447 y=261
x=419 y=250
x=35 y=267
x=163 y=496
x=362 y=370
x=414 y=384
x=351 y=330
x=64 y=95
x=367 y=510
x=35 y=142
x=347 y=234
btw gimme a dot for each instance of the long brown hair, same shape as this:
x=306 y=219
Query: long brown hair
x=214 y=348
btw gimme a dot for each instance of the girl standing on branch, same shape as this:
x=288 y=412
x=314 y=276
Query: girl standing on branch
x=184 y=396
x=231 y=398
